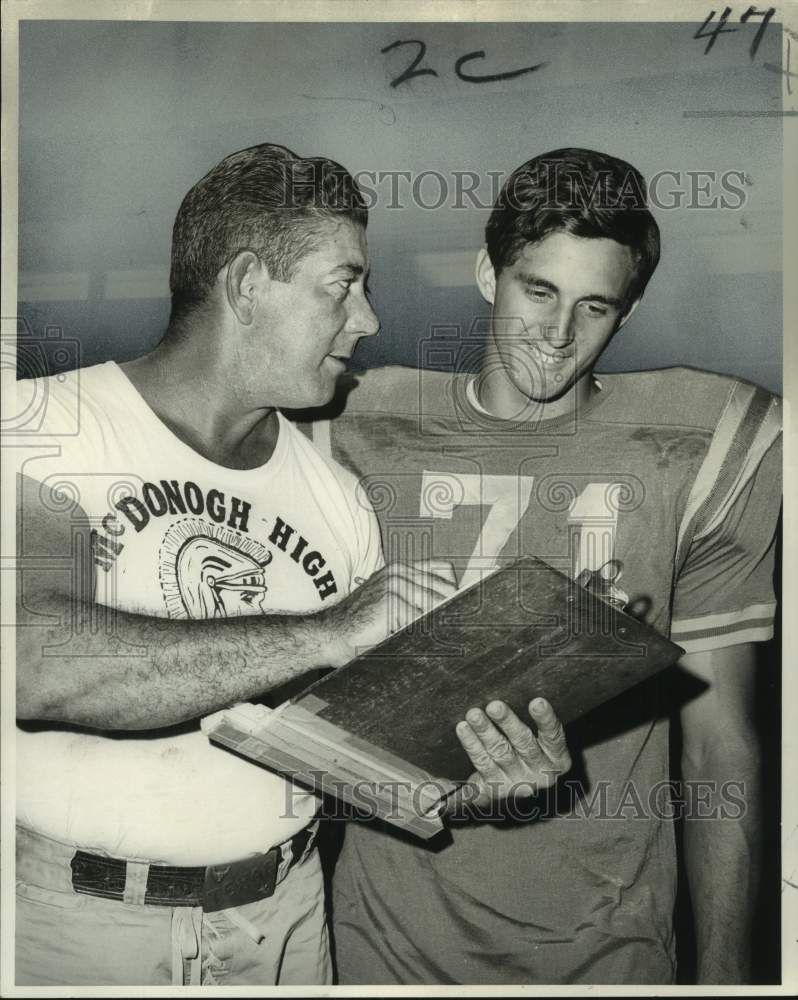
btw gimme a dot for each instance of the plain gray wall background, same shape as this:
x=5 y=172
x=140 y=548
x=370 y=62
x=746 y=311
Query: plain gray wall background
x=119 y=119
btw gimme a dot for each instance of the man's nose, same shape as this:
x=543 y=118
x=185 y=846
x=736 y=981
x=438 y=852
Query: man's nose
x=561 y=332
x=363 y=321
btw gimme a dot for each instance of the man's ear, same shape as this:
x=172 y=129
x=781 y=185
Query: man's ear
x=486 y=278
x=246 y=274
x=629 y=312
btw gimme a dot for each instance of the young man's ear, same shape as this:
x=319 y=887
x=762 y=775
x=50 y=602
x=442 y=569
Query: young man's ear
x=486 y=278
x=243 y=281
x=628 y=312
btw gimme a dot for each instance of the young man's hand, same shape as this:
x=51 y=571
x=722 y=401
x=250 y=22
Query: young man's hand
x=510 y=760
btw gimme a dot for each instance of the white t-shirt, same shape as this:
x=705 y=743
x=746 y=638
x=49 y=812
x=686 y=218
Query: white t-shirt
x=177 y=536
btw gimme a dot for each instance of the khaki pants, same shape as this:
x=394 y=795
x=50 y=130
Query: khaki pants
x=65 y=938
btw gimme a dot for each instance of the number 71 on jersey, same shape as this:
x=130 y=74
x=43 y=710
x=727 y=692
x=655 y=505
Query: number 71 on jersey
x=591 y=514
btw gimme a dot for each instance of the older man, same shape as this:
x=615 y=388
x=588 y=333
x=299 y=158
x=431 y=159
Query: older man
x=192 y=549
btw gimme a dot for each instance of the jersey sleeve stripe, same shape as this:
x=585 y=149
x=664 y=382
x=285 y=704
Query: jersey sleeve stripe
x=767 y=430
x=699 y=642
x=747 y=427
x=731 y=417
x=753 y=612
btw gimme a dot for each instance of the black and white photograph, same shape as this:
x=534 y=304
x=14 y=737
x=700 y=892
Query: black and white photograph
x=396 y=498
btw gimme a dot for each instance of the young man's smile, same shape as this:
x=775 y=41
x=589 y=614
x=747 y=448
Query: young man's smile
x=555 y=309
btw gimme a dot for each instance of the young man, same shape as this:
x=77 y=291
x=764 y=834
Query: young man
x=661 y=486
x=183 y=547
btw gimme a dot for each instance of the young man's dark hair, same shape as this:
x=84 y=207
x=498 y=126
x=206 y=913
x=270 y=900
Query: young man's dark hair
x=577 y=191
x=265 y=199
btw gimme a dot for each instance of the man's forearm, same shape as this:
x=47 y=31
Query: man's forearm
x=108 y=669
x=723 y=859
x=113 y=669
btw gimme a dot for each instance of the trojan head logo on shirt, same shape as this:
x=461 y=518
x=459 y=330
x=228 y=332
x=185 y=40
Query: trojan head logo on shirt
x=209 y=564
x=209 y=571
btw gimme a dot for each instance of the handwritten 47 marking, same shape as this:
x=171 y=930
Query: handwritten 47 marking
x=721 y=29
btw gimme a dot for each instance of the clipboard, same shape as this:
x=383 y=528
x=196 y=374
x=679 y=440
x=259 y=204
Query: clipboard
x=383 y=726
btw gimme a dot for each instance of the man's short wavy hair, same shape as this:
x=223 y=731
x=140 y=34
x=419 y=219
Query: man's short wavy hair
x=576 y=191
x=265 y=199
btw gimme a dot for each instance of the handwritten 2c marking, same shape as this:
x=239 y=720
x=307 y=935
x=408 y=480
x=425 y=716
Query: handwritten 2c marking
x=415 y=69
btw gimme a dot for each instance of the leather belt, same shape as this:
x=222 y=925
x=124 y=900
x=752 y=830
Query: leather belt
x=215 y=887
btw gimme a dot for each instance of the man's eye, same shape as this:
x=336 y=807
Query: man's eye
x=595 y=310
x=539 y=294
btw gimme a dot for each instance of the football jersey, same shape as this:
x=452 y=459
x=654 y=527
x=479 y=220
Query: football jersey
x=671 y=479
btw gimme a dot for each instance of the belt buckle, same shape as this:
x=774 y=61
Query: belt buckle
x=240 y=882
